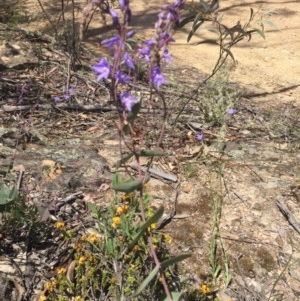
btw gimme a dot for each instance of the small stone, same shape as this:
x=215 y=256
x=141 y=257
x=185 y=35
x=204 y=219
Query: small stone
x=187 y=188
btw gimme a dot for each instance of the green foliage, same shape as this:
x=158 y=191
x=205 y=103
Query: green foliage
x=7 y=195
x=114 y=259
x=227 y=36
x=217 y=97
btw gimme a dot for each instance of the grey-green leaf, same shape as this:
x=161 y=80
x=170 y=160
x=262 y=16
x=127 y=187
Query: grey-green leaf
x=174 y=260
x=128 y=186
x=151 y=153
x=4 y=194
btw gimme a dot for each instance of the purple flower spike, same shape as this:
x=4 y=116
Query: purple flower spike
x=128 y=101
x=110 y=43
x=115 y=17
x=130 y=34
x=123 y=4
x=167 y=58
x=199 y=136
x=123 y=78
x=157 y=77
x=102 y=69
x=128 y=61
x=231 y=111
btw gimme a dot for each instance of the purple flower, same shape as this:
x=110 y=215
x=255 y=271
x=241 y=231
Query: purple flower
x=123 y=4
x=115 y=17
x=70 y=91
x=57 y=99
x=145 y=53
x=157 y=77
x=128 y=61
x=231 y=111
x=166 y=57
x=110 y=43
x=128 y=101
x=102 y=69
x=150 y=43
x=122 y=77
x=199 y=136
x=165 y=38
x=130 y=34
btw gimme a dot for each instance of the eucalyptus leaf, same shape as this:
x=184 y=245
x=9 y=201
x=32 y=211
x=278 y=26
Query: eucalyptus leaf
x=260 y=32
x=187 y=20
x=151 y=153
x=174 y=260
x=269 y=23
x=129 y=186
x=194 y=30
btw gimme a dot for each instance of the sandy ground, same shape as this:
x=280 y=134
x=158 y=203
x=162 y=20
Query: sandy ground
x=263 y=65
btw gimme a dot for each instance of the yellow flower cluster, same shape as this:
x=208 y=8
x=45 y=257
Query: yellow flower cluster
x=122 y=209
x=204 y=289
x=78 y=298
x=81 y=260
x=92 y=238
x=127 y=197
x=61 y=271
x=59 y=225
x=116 y=222
x=168 y=238
x=50 y=286
x=152 y=227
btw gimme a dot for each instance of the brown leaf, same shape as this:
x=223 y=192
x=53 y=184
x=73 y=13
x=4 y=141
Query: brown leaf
x=71 y=271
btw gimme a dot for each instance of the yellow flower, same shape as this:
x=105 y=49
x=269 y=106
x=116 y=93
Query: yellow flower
x=90 y=257
x=116 y=222
x=122 y=209
x=92 y=238
x=42 y=298
x=121 y=238
x=168 y=238
x=51 y=285
x=59 y=225
x=61 y=271
x=204 y=289
x=152 y=227
x=135 y=249
x=127 y=197
x=79 y=298
x=81 y=260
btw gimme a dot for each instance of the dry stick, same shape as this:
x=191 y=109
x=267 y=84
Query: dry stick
x=48 y=18
x=288 y=215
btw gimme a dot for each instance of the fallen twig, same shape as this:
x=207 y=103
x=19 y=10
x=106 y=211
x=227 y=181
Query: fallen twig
x=67 y=199
x=156 y=173
x=289 y=216
x=68 y=106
